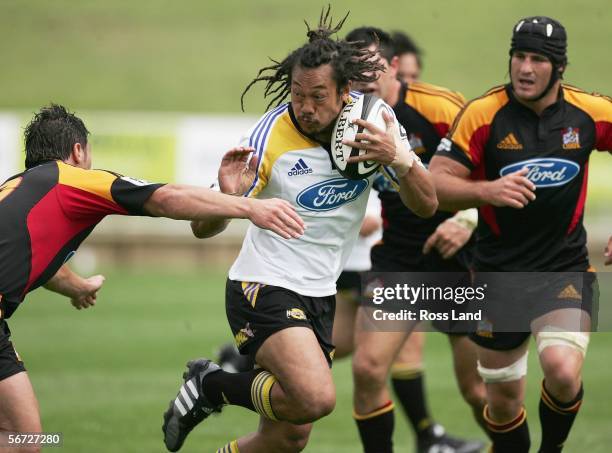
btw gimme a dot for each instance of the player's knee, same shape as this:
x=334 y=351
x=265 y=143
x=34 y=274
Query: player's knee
x=368 y=371
x=474 y=393
x=318 y=406
x=562 y=374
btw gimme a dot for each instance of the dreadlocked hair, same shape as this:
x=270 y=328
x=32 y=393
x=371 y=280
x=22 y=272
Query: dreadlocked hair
x=347 y=62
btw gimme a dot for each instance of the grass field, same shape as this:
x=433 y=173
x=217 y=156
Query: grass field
x=104 y=376
x=198 y=55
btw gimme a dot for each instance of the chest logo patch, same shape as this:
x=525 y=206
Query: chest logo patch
x=509 y=142
x=545 y=172
x=300 y=168
x=331 y=194
x=571 y=138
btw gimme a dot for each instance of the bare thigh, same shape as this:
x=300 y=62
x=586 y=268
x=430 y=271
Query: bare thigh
x=19 y=410
x=295 y=358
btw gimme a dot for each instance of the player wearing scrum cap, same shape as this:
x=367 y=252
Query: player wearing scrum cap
x=520 y=153
x=280 y=296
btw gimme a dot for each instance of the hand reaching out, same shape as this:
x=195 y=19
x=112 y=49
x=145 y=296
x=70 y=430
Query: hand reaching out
x=236 y=175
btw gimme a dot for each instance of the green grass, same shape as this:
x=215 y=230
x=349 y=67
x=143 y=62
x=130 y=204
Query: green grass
x=104 y=376
x=198 y=55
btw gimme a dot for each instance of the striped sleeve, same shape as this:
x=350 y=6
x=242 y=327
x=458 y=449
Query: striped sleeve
x=470 y=132
x=97 y=193
x=258 y=137
x=599 y=108
x=438 y=105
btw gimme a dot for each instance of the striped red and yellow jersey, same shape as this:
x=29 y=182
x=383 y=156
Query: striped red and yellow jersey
x=45 y=214
x=496 y=135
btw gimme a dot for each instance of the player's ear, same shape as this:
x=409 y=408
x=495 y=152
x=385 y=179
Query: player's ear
x=345 y=92
x=394 y=65
x=78 y=155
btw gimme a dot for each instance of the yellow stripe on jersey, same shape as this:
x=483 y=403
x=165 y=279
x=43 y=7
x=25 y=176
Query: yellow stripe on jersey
x=476 y=114
x=7 y=189
x=283 y=138
x=434 y=106
x=596 y=106
x=426 y=88
x=97 y=182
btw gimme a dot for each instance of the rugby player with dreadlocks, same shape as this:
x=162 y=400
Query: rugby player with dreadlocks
x=280 y=296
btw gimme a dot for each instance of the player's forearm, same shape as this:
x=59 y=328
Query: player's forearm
x=65 y=282
x=456 y=193
x=181 y=202
x=418 y=192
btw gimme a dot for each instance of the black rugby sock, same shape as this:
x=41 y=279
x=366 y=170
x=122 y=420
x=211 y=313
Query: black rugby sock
x=376 y=429
x=556 y=419
x=250 y=389
x=511 y=437
x=409 y=386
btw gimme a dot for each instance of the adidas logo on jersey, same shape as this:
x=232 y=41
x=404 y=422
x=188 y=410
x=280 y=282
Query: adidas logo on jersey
x=569 y=292
x=300 y=168
x=509 y=142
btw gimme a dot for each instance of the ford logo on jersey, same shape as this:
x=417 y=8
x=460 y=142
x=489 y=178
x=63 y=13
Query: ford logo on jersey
x=331 y=194
x=545 y=172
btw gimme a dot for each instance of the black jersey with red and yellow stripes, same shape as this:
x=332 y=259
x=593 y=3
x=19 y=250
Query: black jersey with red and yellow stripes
x=45 y=214
x=427 y=113
x=496 y=135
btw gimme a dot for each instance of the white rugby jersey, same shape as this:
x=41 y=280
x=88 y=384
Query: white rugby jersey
x=359 y=258
x=298 y=169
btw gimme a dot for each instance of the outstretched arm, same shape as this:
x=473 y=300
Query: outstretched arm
x=82 y=292
x=183 y=202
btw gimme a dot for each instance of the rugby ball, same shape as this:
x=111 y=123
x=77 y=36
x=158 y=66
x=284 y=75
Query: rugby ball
x=367 y=107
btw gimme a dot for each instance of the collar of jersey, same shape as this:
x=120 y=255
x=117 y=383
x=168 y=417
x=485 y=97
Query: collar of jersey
x=548 y=111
